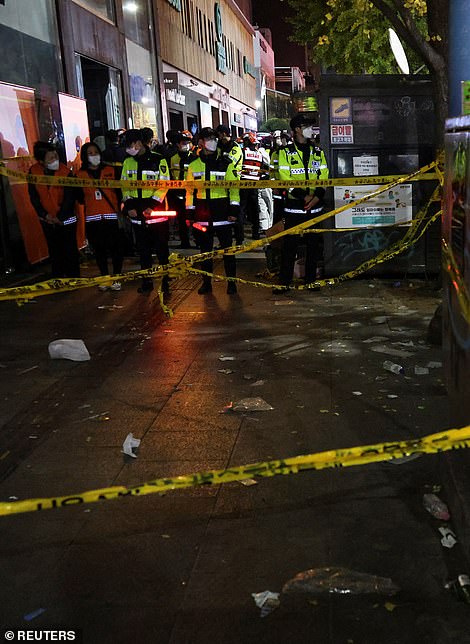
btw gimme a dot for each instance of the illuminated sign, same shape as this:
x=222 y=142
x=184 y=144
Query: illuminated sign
x=221 y=55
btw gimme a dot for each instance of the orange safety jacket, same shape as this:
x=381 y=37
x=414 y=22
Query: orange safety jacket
x=100 y=203
x=51 y=196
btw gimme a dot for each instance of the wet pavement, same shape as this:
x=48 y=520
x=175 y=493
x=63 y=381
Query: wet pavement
x=181 y=568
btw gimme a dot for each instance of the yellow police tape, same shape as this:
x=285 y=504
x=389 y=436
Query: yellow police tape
x=24 y=177
x=179 y=266
x=457 y=281
x=363 y=455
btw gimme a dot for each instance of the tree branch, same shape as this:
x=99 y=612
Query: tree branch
x=406 y=27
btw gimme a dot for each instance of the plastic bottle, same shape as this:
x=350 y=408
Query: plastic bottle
x=436 y=507
x=394 y=368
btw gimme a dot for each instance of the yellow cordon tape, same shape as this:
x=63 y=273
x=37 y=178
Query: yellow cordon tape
x=366 y=454
x=24 y=177
x=180 y=266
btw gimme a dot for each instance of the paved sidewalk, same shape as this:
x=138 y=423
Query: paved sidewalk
x=181 y=568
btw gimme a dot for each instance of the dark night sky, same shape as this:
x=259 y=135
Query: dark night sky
x=271 y=13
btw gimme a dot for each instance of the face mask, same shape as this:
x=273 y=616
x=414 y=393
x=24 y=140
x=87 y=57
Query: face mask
x=307 y=132
x=185 y=148
x=132 y=151
x=211 y=145
x=54 y=165
x=94 y=159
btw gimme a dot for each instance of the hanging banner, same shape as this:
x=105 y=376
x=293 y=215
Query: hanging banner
x=391 y=207
x=18 y=132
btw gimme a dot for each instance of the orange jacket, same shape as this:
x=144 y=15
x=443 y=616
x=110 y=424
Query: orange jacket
x=51 y=197
x=100 y=201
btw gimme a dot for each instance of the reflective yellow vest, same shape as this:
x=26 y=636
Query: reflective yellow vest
x=224 y=170
x=151 y=167
x=291 y=165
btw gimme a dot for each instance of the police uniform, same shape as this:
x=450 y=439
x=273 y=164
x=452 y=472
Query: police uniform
x=178 y=164
x=150 y=232
x=209 y=209
x=301 y=162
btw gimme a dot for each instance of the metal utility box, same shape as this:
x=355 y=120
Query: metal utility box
x=377 y=125
x=456 y=232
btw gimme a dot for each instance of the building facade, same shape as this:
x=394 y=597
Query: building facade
x=125 y=63
x=206 y=49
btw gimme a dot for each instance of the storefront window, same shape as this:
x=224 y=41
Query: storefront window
x=104 y=8
x=137 y=22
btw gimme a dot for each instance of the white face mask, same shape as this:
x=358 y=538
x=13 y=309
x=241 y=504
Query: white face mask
x=132 y=151
x=94 y=159
x=308 y=132
x=210 y=145
x=185 y=148
x=53 y=165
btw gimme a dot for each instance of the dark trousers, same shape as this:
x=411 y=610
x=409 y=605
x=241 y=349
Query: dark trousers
x=289 y=253
x=180 y=208
x=63 y=249
x=205 y=241
x=105 y=238
x=249 y=209
x=149 y=238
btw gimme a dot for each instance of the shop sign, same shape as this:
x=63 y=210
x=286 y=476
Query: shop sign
x=170 y=80
x=340 y=110
x=341 y=134
x=221 y=54
x=176 y=4
x=248 y=68
x=237 y=118
x=174 y=96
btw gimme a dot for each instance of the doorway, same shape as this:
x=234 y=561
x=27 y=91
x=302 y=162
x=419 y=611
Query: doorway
x=176 y=120
x=101 y=86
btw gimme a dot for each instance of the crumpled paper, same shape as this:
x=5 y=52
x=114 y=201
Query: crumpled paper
x=267 y=601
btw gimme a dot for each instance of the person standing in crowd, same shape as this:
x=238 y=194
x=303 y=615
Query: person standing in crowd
x=114 y=152
x=301 y=160
x=168 y=149
x=265 y=195
x=55 y=207
x=146 y=207
x=253 y=167
x=179 y=163
x=231 y=149
x=213 y=211
x=101 y=214
x=280 y=140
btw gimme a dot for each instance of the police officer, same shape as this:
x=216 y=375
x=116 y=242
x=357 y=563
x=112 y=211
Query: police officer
x=213 y=211
x=146 y=207
x=301 y=160
x=179 y=163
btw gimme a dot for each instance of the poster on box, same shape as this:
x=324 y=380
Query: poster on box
x=18 y=132
x=393 y=206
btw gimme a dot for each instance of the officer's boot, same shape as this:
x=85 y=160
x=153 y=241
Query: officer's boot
x=206 y=286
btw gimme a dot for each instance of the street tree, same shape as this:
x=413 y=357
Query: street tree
x=352 y=36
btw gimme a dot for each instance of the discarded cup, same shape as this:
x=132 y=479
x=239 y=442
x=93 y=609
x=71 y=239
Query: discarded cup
x=449 y=538
x=68 y=350
x=340 y=581
x=392 y=367
x=436 y=507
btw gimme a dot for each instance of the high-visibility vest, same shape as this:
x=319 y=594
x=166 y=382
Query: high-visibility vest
x=149 y=166
x=253 y=162
x=179 y=165
x=51 y=196
x=235 y=154
x=291 y=166
x=223 y=170
x=100 y=203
